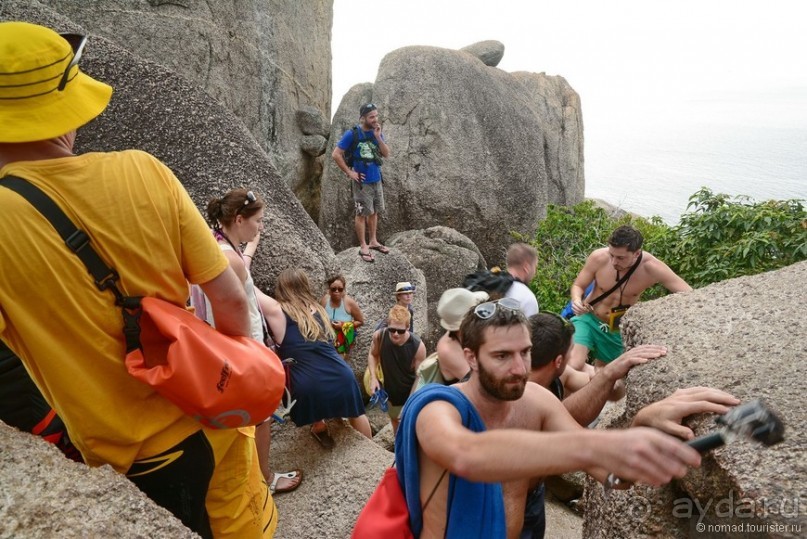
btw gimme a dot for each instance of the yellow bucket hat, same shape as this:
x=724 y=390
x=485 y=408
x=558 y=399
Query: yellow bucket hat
x=43 y=94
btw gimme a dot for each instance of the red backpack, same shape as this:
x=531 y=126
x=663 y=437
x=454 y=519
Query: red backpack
x=385 y=516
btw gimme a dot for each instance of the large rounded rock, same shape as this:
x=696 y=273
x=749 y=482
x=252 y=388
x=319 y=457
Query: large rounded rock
x=46 y=495
x=558 y=106
x=745 y=336
x=490 y=52
x=469 y=150
x=336 y=483
x=445 y=257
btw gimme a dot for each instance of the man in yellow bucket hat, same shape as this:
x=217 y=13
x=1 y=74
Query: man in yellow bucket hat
x=68 y=333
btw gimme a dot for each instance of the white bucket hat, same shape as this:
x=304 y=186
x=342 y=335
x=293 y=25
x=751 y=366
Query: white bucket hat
x=455 y=303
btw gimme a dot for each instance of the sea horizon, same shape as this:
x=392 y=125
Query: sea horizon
x=753 y=144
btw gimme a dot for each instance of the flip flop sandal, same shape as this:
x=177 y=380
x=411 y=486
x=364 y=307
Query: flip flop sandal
x=294 y=474
x=367 y=257
x=381 y=249
x=324 y=438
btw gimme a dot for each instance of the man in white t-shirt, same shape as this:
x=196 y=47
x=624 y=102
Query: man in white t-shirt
x=522 y=260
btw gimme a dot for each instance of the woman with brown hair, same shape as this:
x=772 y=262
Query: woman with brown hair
x=344 y=312
x=236 y=219
x=322 y=384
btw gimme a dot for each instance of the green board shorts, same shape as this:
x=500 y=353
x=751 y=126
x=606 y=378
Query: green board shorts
x=591 y=332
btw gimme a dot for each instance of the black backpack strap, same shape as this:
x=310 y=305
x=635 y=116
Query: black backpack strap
x=619 y=283
x=78 y=242
x=76 y=239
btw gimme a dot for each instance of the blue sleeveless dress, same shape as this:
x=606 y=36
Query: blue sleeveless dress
x=321 y=382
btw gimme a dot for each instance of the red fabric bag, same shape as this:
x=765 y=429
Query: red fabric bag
x=385 y=516
x=219 y=380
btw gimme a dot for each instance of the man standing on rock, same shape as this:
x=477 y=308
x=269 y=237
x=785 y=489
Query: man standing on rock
x=621 y=273
x=474 y=439
x=358 y=154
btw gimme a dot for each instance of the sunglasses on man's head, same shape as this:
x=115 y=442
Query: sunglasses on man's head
x=77 y=42
x=337 y=289
x=396 y=331
x=488 y=309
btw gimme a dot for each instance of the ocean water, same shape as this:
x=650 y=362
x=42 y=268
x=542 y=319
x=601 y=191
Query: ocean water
x=652 y=164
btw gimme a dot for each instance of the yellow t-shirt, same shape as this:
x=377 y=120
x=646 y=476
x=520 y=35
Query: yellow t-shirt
x=68 y=333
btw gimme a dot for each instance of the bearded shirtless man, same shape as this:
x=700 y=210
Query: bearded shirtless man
x=483 y=437
x=597 y=326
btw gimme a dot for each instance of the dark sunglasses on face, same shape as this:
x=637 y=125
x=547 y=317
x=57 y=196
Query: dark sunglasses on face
x=337 y=289
x=397 y=331
x=488 y=309
x=77 y=42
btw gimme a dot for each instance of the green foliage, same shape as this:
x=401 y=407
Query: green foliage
x=718 y=238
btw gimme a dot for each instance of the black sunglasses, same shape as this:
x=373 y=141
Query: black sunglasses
x=337 y=289
x=397 y=331
x=77 y=42
x=488 y=309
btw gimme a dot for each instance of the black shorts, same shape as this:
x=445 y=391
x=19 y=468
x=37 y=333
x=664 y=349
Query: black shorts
x=178 y=479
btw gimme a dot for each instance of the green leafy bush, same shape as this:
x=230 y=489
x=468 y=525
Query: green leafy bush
x=718 y=238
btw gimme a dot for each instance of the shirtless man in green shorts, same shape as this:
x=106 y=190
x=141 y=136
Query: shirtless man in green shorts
x=597 y=324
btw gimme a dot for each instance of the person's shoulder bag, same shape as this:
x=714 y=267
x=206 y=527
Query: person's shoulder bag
x=221 y=381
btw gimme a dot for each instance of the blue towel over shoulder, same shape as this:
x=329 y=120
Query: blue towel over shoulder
x=474 y=509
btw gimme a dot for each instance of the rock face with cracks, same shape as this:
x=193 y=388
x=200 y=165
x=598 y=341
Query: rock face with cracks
x=206 y=146
x=263 y=60
x=745 y=336
x=473 y=148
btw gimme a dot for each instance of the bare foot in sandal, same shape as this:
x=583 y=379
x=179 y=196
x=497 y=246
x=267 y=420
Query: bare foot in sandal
x=285 y=482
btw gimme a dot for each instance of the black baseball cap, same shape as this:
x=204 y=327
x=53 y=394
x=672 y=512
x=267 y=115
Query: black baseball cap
x=366 y=109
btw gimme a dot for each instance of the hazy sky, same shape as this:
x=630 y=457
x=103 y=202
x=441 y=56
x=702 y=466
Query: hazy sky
x=611 y=52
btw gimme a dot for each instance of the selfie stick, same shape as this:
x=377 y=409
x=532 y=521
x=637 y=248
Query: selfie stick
x=752 y=421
